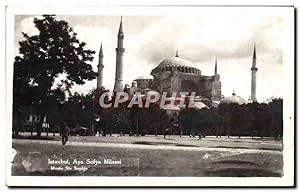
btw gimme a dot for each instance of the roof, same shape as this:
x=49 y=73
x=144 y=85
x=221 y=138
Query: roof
x=175 y=61
x=177 y=64
x=171 y=107
x=233 y=99
x=198 y=105
x=151 y=92
x=144 y=77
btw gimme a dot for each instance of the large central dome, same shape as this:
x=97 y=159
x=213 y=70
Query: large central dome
x=176 y=64
x=175 y=61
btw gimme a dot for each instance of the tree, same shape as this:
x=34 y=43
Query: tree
x=276 y=113
x=54 y=52
x=187 y=120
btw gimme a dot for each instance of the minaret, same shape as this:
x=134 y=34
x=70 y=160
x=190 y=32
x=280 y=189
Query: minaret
x=253 y=77
x=177 y=53
x=119 y=61
x=100 y=69
x=216 y=67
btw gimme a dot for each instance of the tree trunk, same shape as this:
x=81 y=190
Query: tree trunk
x=16 y=128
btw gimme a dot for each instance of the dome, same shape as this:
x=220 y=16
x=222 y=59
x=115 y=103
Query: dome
x=176 y=64
x=233 y=99
x=144 y=77
x=175 y=61
x=151 y=92
x=171 y=107
x=134 y=84
x=199 y=105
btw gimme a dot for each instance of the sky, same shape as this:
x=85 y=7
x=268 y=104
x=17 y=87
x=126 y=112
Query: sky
x=228 y=34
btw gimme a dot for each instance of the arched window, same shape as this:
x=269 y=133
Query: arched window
x=181 y=69
x=186 y=69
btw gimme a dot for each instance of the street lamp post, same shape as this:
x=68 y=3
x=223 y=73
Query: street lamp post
x=93 y=112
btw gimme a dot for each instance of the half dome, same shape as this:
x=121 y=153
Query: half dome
x=144 y=77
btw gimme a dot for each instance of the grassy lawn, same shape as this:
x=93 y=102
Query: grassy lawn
x=32 y=159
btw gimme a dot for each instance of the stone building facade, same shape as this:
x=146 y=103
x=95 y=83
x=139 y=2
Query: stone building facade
x=178 y=75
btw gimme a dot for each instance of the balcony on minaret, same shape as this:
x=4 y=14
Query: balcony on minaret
x=100 y=66
x=120 y=50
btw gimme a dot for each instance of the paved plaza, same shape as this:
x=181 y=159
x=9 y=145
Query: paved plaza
x=150 y=156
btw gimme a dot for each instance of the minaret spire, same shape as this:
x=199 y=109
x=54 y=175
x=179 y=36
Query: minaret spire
x=100 y=69
x=101 y=51
x=254 y=53
x=121 y=26
x=119 y=60
x=253 y=76
x=216 y=66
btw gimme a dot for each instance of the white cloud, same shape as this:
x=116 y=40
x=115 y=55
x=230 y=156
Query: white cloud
x=27 y=26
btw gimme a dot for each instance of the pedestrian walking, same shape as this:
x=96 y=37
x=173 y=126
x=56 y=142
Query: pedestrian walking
x=65 y=134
